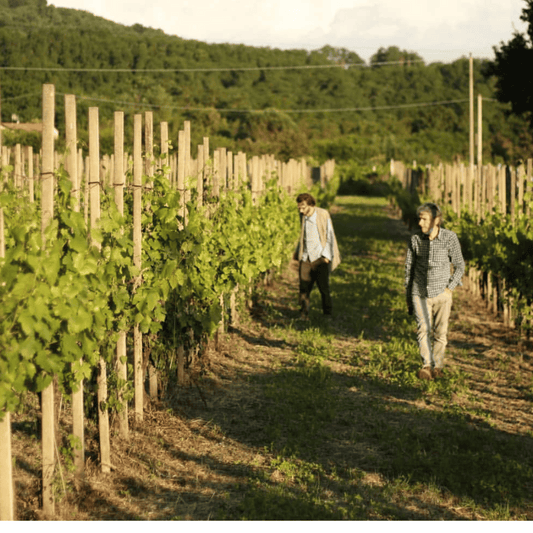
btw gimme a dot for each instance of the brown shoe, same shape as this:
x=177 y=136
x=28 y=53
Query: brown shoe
x=425 y=373
x=437 y=373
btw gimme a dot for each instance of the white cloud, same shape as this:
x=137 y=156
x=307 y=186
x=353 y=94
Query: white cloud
x=436 y=30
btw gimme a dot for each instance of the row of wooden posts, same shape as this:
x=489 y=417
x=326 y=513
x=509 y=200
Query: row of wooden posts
x=478 y=189
x=220 y=170
x=482 y=190
x=226 y=168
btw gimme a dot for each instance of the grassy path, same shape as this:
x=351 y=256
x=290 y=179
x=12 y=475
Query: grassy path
x=356 y=434
x=327 y=420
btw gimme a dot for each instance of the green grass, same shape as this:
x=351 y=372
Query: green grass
x=331 y=433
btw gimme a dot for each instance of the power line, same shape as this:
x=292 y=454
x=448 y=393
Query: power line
x=268 y=110
x=272 y=110
x=377 y=108
x=345 y=66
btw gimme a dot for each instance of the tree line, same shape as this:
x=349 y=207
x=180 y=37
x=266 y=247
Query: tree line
x=251 y=98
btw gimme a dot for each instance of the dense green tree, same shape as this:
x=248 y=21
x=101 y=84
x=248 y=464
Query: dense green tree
x=510 y=67
x=252 y=98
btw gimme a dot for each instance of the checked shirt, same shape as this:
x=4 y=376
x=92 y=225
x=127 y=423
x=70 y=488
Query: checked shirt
x=428 y=264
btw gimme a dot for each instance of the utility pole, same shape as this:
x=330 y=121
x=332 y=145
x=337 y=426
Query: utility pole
x=0 y=125
x=471 y=168
x=479 y=131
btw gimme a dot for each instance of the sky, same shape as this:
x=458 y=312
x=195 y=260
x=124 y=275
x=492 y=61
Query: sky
x=437 y=31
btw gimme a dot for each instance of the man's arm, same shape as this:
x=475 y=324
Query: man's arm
x=327 y=252
x=456 y=257
x=409 y=265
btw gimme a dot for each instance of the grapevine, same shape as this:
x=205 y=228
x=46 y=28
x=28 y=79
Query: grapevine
x=63 y=305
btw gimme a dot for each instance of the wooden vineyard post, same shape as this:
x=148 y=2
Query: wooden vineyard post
x=471 y=132
x=475 y=203
x=242 y=172
x=502 y=190
x=187 y=130
x=490 y=188
x=520 y=176
x=119 y=182
x=2 y=237
x=71 y=166
x=236 y=171
x=216 y=173
x=255 y=169
x=479 y=130
x=180 y=365
x=86 y=192
x=513 y=206
x=188 y=167
x=94 y=198
x=149 y=169
x=229 y=163
x=207 y=168
x=149 y=147
x=529 y=186
x=31 y=186
x=137 y=250
x=529 y=200
x=47 y=213
x=181 y=173
x=165 y=159
x=17 y=168
x=234 y=318
x=71 y=139
x=492 y=295
x=457 y=172
x=223 y=169
x=200 y=176
x=7 y=498
x=216 y=193
x=484 y=190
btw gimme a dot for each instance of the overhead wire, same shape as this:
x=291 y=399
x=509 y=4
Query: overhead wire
x=235 y=69
x=266 y=110
x=342 y=65
x=275 y=110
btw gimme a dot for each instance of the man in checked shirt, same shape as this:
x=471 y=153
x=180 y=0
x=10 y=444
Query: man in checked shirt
x=429 y=282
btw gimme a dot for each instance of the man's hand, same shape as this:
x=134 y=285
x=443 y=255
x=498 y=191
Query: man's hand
x=410 y=306
x=319 y=261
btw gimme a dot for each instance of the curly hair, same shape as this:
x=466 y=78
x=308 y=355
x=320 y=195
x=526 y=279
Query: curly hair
x=307 y=198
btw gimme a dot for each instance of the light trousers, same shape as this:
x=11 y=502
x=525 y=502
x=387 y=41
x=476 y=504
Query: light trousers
x=432 y=317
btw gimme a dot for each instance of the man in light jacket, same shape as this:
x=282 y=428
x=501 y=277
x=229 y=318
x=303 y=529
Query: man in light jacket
x=317 y=253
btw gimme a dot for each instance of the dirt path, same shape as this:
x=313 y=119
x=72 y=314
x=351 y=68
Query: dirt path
x=195 y=455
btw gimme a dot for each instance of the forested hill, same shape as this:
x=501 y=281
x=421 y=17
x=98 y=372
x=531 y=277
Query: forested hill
x=326 y=103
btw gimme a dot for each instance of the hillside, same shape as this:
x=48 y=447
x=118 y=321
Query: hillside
x=325 y=103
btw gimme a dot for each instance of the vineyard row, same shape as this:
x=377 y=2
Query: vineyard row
x=120 y=267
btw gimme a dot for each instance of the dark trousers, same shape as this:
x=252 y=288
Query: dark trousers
x=311 y=273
